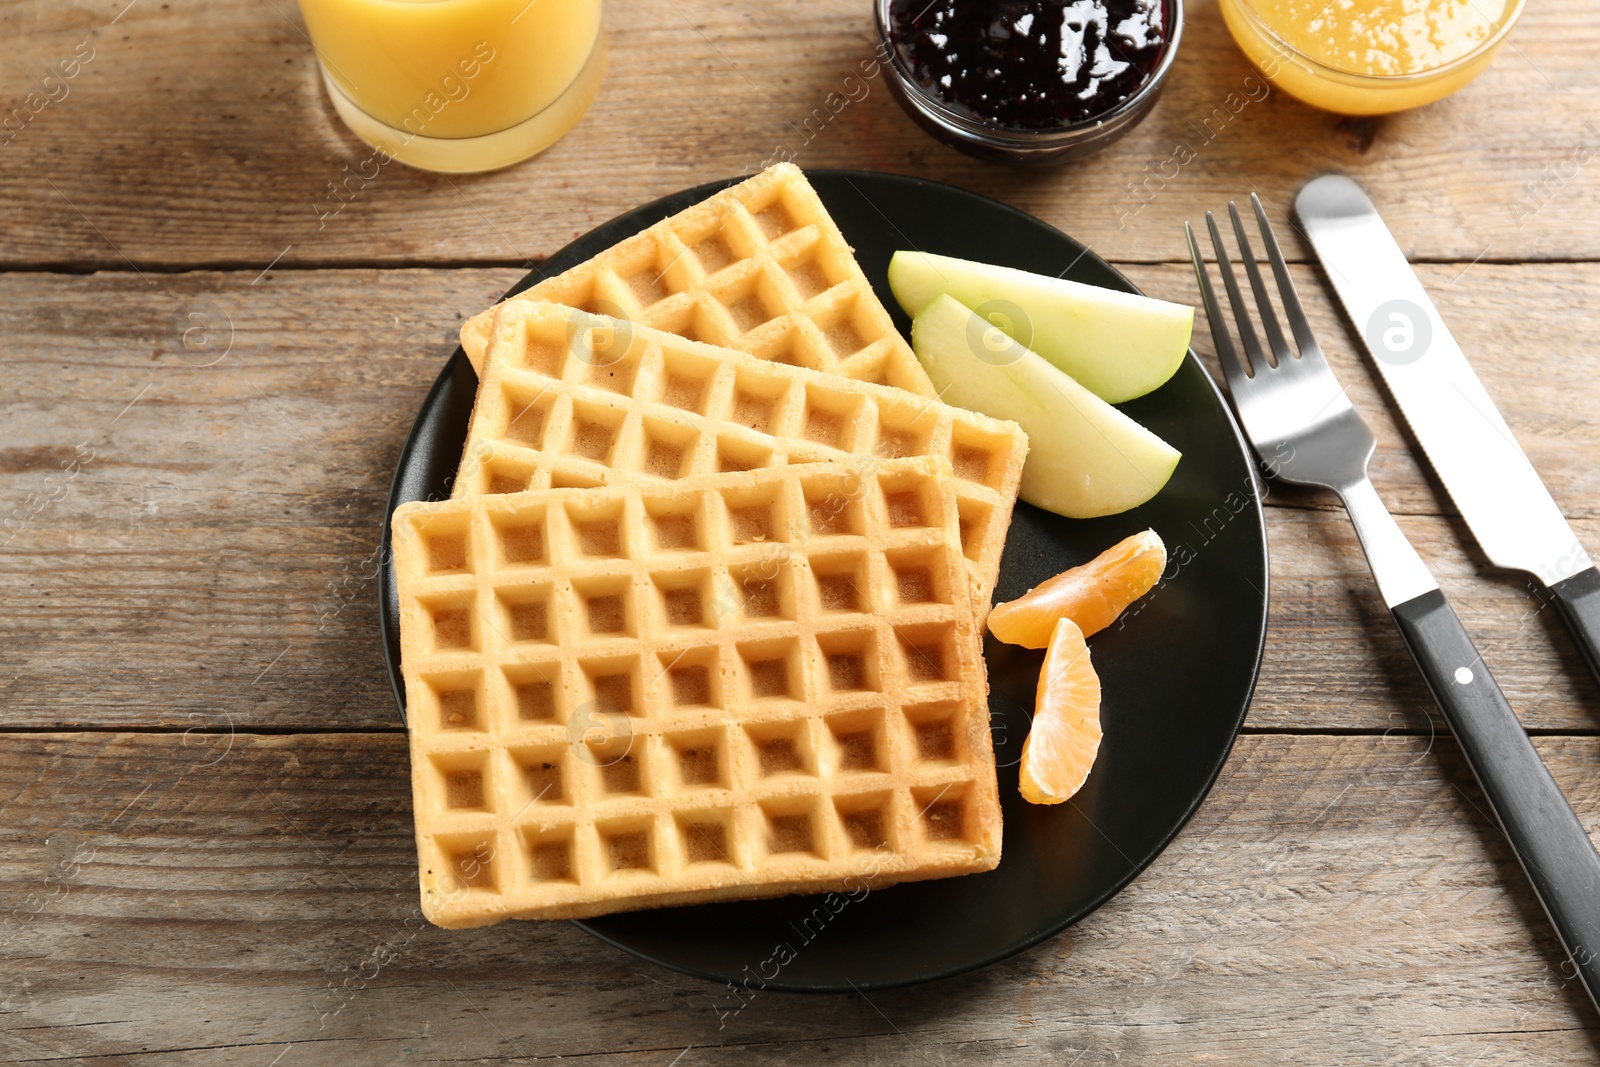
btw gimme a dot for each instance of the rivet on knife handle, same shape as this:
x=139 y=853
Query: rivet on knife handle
x=1541 y=826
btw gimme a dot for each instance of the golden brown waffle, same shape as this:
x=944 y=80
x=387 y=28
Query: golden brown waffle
x=643 y=695
x=552 y=410
x=759 y=267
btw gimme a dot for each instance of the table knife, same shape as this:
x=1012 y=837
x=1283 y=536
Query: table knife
x=1471 y=448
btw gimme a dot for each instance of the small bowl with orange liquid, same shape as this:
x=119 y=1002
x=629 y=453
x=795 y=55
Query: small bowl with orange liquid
x=1370 y=57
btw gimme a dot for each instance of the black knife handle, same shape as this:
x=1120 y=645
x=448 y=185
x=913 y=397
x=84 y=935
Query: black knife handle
x=1578 y=599
x=1546 y=835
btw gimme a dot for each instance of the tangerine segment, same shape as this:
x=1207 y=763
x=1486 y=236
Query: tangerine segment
x=1065 y=736
x=1092 y=595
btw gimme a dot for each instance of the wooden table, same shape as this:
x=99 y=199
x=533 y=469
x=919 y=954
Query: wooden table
x=211 y=363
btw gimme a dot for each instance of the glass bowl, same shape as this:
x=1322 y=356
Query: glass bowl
x=1002 y=144
x=1347 y=93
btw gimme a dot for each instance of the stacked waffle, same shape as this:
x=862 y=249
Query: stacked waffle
x=702 y=620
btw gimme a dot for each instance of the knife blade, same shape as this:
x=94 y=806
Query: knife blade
x=1466 y=440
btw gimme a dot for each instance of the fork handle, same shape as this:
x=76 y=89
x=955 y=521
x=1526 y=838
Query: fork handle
x=1544 y=832
x=1578 y=600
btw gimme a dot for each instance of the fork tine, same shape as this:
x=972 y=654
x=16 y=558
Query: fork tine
x=1269 y=317
x=1241 y=313
x=1304 y=339
x=1226 y=352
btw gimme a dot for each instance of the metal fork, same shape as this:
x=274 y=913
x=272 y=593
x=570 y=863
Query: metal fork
x=1307 y=431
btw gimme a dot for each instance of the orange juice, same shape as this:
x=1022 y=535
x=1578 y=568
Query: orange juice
x=1367 y=57
x=458 y=85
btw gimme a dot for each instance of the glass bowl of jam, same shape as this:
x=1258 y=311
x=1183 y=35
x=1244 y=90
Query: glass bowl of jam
x=1370 y=57
x=1028 y=81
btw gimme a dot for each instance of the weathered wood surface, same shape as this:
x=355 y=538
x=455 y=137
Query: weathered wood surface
x=195 y=450
x=217 y=899
x=211 y=561
x=199 y=134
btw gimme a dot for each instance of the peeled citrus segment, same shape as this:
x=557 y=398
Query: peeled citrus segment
x=1065 y=736
x=1092 y=595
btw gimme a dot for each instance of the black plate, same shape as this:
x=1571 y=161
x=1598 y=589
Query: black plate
x=1177 y=674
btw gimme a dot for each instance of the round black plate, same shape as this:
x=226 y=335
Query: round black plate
x=1177 y=672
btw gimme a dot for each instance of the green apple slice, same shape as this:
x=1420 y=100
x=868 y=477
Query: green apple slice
x=1117 y=345
x=1085 y=458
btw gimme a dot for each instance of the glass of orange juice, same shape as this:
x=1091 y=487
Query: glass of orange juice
x=1370 y=57
x=458 y=85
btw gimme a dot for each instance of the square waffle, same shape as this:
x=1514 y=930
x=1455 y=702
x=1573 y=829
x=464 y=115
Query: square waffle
x=680 y=692
x=569 y=398
x=759 y=267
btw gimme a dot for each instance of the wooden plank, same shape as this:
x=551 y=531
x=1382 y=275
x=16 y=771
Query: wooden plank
x=90 y=343
x=211 y=561
x=1338 y=900
x=212 y=558
x=1334 y=659
x=203 y=137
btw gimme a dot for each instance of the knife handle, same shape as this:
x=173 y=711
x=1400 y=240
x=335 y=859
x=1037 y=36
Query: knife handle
x=1578 y=599
x=1544 y=832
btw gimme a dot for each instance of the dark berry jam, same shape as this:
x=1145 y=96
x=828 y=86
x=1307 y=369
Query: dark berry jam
x=1029 y=64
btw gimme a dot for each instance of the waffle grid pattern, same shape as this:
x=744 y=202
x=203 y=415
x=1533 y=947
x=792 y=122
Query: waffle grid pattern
x=759 y=267
x=573 y=399
x=642 y=695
